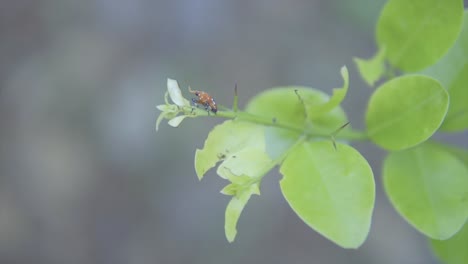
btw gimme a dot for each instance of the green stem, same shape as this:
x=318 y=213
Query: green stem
x=243 y=116
x=348 y=134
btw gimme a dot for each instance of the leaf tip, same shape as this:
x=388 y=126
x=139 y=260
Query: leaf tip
x=199 y=169
x=344 y=72
x=231 y=236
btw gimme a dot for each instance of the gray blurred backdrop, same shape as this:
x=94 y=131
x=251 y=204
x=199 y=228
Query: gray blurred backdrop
x=84 y=177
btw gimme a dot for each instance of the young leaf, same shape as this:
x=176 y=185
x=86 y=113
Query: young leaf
x=372 y=69
x=244 y=170
x=338 y=95
x=230 y=189
x=160 y=118
x=452 y=72
x=283 y=105
x=175 y=122
x=419 y=32
x=234 y=209
x=248 y=161
x=224 y=141
x=332 y=191
x=406 y=111
x=429 y=188
x=453 y=250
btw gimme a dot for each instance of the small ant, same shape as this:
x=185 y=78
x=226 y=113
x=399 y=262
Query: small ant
x=204 y=99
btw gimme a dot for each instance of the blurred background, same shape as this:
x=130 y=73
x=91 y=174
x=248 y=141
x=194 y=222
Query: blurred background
x=84 y=177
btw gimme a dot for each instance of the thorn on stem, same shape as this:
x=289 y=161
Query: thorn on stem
x=343 y=126
x=336 y=132
x=235 y=107
x=298 y=96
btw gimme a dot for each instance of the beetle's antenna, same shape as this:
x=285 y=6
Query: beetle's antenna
x=190 y=90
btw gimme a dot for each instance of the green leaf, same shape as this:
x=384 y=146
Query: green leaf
x=406 y=111
x=332 y=191
x=160 y=118
x=241 y=148
x=278 y=141
x=338 y=96
x=429 y=188
x=253 y=162
x=453 y=250
x=417 y=33
x=238 y=183
x=234 y=209
x=175 y=122
x=230 y=189
x=224 y=141
x=460 y=153
x=457 y=116
x=452 y=72
x=244 y=170
x=372 y=69
x=282 y=104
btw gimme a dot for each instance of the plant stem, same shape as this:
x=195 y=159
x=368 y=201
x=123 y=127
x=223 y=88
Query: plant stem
x=247 y=117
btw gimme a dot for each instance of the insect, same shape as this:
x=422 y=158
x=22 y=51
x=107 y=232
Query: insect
x=204 y=99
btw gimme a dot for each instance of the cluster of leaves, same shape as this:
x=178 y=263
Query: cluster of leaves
x=328 y=183
x=426 y=182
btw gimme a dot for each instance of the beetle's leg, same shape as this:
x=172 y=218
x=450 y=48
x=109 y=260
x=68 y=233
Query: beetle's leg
x=194 y=104
x=207 y=107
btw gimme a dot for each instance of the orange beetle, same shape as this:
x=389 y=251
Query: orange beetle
x=204 y=99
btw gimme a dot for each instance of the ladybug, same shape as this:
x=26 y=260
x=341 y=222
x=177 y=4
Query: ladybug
x=204 y=99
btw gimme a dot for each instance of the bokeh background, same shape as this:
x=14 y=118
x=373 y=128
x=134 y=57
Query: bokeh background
x=84 y=177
